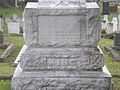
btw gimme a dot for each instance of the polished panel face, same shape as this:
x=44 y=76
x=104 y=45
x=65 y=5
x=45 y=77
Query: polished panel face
x=61 y=28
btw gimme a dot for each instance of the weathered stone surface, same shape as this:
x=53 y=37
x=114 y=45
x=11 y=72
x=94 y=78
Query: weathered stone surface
x=92 y=0
x=62 y=59
x=14 y=27
x=7 y=20
x=115 y=24
x=60 y=2
x=1 y=38
x=20 y=55
x=117 y=39
x=61 y=80
x=55 y=33
x=61 y=52
x=0 y=24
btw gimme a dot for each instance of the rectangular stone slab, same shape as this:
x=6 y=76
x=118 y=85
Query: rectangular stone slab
x=62 y=26
x=61 y=80
x=62 y=59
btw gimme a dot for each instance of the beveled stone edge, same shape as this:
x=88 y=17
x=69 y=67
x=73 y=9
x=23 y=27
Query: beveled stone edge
x=33 y=9
x=20 y=54
x=33 y=5
x=62 y=74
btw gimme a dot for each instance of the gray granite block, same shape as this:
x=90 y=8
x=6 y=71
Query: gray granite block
x=34 y=59
x=61 y=80
x=46 y=26
x=61 y=50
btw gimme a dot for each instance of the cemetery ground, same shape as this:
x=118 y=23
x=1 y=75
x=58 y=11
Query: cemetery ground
x=113 y=14
x=7 y=68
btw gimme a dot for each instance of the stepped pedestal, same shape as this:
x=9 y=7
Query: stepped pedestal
x=62 y=51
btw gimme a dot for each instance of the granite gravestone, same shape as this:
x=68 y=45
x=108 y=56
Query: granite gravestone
x=110 y=28
x=118 y=30
x=117 y=36
x=62 y=51
x=0 y=23
x=15 y=17
x=115 y=24
x=7 y=20
x=1 y=31
x=103 y=26
x=105 y=18
x=105 y=8
x=14 y=27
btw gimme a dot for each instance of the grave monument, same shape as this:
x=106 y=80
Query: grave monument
x=117 y=36
x=1 y=31
x=61 y=51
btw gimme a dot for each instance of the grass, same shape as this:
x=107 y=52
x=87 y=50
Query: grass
x=1 y=51
x=113 y=14
x=8 y=12
x=18 y=41
x=113 y=66
x=5 y=85
x=6 y=69
x=118 y=52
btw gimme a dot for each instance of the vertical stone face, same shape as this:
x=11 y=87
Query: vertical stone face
x=62 y=48
x=117 y=40
x=0 y=23
x=82 y=31
x=1 y=37
x=63 y=2
x=117 y=36
x=1 y=33
x=118 y=29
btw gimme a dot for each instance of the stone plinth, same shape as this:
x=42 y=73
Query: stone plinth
x=117 y=41
x=61 y=80
x=62 y=50
x=84 y=59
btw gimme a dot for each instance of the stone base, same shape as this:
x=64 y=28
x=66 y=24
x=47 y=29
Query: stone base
x=61 y=80
x=40 y=59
